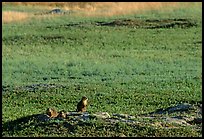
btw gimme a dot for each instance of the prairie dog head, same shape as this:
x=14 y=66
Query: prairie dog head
x=84 y=100
x=62 y=114
x=50 y=111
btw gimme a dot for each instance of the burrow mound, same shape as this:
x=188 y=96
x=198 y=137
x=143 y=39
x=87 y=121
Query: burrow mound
x=150 y=23
x=136 y=23
x=183 y=115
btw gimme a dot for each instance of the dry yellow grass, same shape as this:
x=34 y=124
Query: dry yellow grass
x=122 y=8
x=114 y=7
x=11 y=16
x=92 y=8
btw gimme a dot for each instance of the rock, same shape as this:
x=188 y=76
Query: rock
x=175 y=120
x=76 y=113
x=177 y=108
x=124 y=116
x=127 y=121
x=180 y=107
x=83 y=117
x=102 y=115
x=112 y=121
x=56 y=11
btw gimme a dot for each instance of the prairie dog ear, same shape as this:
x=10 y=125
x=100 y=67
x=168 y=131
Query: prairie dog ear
x=48 y=110
x=84 y=98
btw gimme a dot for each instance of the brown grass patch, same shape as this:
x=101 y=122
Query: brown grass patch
x=122 y=8
x=104 y=8
x=11 y=16
x=93 y=8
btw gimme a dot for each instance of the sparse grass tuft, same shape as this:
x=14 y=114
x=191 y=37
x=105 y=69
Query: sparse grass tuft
x=11 y=16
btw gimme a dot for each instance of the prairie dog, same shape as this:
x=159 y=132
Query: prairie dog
x=51 y=112
x=81 y=106
x=62 y=114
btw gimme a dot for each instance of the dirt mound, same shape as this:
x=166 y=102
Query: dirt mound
x=150 y=24
x=32 y=87
x=184 y=115
x=137 y=23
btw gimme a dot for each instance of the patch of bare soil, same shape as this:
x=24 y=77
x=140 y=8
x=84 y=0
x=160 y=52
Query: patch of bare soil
x=32 y=88
x=136 y=23
x=150 y=24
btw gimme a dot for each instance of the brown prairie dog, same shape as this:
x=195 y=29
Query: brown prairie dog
x=62 y=114
x=51 y=112
x=81 y=106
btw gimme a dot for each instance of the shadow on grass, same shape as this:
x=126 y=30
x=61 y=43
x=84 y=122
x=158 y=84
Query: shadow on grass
x=42 y=123
x=20 y=123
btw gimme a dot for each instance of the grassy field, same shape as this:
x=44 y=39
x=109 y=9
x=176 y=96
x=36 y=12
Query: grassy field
x=121 y=69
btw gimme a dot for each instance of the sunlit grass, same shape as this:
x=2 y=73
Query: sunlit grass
x=11 y=16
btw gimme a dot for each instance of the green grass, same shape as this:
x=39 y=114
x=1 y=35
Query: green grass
x=120 y=69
